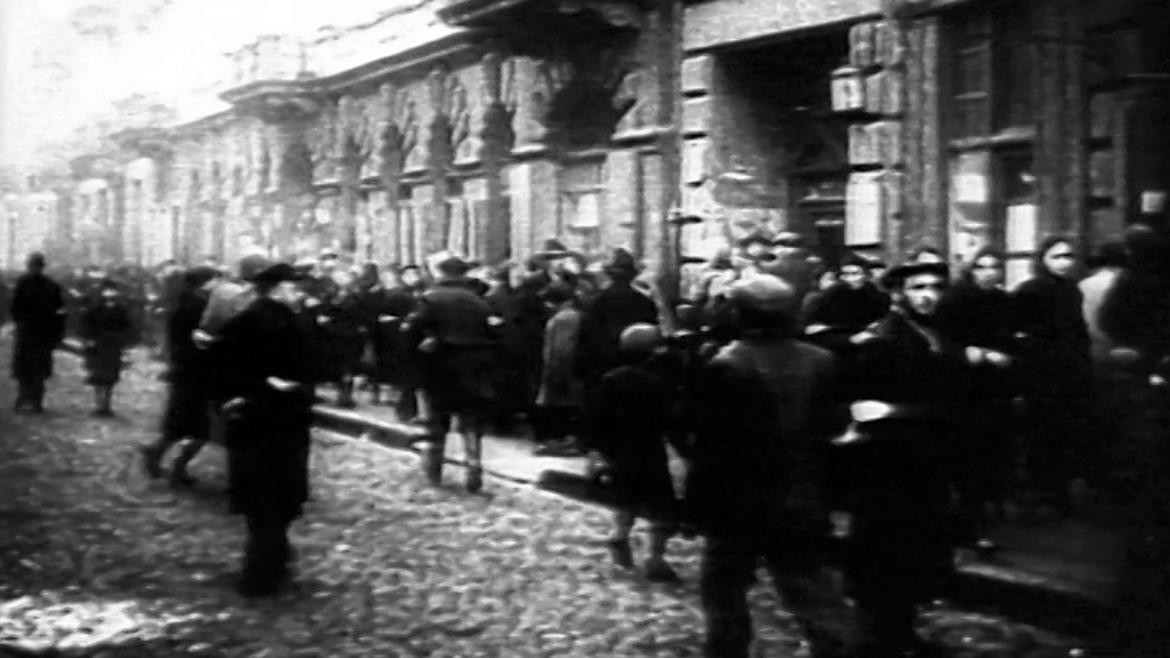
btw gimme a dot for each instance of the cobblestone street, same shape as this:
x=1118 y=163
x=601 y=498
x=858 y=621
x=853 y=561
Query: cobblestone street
x=97 y=560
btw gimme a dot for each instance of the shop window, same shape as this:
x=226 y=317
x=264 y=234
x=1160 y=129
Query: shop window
x=991 y=118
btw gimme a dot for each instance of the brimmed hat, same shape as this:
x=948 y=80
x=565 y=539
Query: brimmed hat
x=454 y=265
x=897 y=275
x=622 y=262
x=857 y=260
x=252 y=265
x=274 y=274
x=553 y=248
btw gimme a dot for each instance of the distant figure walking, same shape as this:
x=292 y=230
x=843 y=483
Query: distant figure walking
x=38 y=310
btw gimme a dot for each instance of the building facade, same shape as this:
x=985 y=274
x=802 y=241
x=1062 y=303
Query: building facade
x=489 y=126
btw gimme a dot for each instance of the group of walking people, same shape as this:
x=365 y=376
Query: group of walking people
x=909 y=398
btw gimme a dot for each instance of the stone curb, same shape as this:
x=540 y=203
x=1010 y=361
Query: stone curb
x=1060 y=605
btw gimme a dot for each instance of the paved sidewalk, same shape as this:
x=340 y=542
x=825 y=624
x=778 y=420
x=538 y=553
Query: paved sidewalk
x=1062 y=569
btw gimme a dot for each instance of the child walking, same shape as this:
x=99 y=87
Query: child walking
x=106 y=328
x=629 y=427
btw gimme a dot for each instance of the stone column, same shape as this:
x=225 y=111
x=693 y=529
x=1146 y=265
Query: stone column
x=532 y=204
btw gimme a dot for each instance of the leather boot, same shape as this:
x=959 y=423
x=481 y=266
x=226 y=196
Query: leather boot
x=474 y=479
x=345 y=393
x=152 y=458
x=179 y=474
x=432 y=461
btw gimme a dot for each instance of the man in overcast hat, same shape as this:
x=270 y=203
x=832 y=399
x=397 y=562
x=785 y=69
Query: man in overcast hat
x=614 y=309
x=267 y=384
x=899 y=495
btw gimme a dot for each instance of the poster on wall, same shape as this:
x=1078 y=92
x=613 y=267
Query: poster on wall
x=1020 y=228
x=863 y=209
x=969 y=209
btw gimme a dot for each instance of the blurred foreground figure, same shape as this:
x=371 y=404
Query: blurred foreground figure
x=267 y=383
x=38 y=310
x=898 y=455
x=761 y=415
x=189 y=394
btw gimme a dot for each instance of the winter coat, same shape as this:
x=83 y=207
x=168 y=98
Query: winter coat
x=629 y=426
x=759 y=410
x=38 y=310
x=612 y=311
x=560 y=384
x=190 y=371
x=107 y=328
x=268 y=436
x=453 y=328
x=1055 y=339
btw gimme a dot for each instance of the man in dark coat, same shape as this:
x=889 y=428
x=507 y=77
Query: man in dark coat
x=903 y=384
x=761 y=413
x=189 y=394
x=38 y=309
x=616 y=307
x=453 y=328
x=267 y=382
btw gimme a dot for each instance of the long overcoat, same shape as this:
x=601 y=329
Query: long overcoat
x=107 y=327
x=268 y=436
x=190 y=371
x=38 y=310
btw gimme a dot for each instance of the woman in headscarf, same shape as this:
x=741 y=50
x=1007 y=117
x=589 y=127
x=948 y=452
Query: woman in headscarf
x=1057 y=372
x=976 y=317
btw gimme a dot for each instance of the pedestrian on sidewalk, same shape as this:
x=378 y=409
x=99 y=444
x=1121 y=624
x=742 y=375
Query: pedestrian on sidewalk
x=453 y=327
x=629 y=427
x=106 y=329
x=268 y=385
x=760 y=413
x=38 y=310
x=558 y=402
x=905 y=388
x=975 y=316
x=1058 y=386
x=189 y=387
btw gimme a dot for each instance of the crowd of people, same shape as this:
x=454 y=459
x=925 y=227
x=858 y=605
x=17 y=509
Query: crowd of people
x=918 y=399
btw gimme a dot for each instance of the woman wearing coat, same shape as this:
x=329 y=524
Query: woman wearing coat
x=106 y=328
x=1057 y=373
x=976 y=317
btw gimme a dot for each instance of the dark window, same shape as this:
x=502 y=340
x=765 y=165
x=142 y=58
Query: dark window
x=1012 y=63
x=992 y=64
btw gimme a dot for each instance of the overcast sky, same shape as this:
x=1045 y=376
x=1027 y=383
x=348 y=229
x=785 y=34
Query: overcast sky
x=58 y=68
